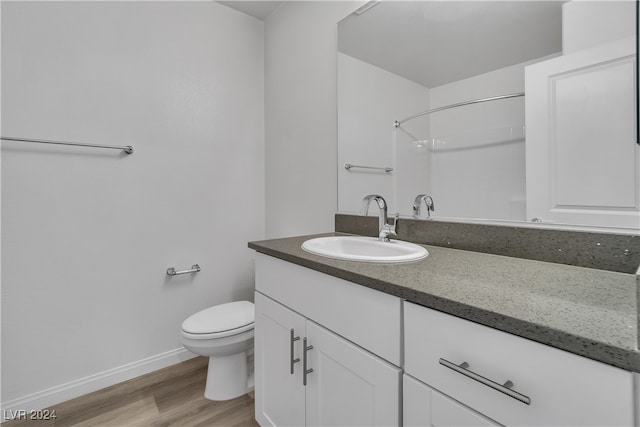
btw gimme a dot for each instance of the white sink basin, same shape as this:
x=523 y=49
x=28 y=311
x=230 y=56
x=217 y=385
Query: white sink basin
x=366 y=249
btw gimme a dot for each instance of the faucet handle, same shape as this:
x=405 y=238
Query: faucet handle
x=392 y=229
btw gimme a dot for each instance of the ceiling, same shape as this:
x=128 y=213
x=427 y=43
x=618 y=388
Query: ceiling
x=437 y=42
x=257 y=9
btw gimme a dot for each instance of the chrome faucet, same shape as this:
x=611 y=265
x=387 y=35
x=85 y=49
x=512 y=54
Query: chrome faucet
x=417 y=203
x=384 y=230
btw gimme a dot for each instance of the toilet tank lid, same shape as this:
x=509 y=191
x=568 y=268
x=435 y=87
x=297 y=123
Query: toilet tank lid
x=220 y=318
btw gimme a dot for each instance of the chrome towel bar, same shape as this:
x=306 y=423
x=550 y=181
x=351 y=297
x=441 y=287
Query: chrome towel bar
x=127 y=148
x=172 y=271
x=348 y=166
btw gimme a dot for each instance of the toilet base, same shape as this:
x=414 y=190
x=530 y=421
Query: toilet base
x=227 y=377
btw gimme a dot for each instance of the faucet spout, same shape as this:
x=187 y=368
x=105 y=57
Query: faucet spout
x=417 y=204
x=384 y=230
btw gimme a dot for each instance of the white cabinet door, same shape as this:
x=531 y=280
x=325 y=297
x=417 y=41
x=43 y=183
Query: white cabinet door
x=582 y=159
x=280 y=395
x=423 y=406
x=349 y=386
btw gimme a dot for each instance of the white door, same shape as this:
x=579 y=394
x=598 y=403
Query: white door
x=280 y=395
x=423 y=406
x=349 y=386
x=582 y=157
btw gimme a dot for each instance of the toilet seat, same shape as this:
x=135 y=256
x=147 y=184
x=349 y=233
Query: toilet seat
x=213 y=335
x=220 y=321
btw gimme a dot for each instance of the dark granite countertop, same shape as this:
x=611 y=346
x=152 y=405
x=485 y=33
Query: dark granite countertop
x=589 y=312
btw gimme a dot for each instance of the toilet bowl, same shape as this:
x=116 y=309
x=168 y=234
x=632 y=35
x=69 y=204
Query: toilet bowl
x=224 y=333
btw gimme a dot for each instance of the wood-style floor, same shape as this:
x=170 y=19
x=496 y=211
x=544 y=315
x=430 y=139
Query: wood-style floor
x=173 y=396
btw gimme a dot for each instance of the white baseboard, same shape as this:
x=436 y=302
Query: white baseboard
x=62 y=393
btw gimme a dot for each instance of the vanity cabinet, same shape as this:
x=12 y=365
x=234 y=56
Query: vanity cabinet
x=512 y=380
x=374 y=359
x=308 y=374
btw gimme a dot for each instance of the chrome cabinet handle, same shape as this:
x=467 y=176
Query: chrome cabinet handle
x=305 y=371
x=292 y=360
x=502 y=388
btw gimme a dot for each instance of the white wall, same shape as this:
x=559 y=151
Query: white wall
x=300 y=105
x=586 y=23
x=370 y=99
x=477 y=158
x=88 y=234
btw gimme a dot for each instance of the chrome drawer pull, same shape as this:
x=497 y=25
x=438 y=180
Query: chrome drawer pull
x=305 y=371
x=502 y=388
x=292 y=360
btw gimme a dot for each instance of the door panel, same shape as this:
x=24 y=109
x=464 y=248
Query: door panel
x=349 y=386
x=583 y=162
x=280 y=396
x=423 y=406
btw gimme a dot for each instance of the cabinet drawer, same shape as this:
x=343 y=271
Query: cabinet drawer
x=364 y=316
x=563 y=388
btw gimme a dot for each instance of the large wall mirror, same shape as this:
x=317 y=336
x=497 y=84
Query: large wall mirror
x=510 y=111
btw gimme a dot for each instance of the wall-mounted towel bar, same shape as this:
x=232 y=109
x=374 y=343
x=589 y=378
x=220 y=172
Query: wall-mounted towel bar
x=348 y=166
x=397 y=123
x=172 y=271
x=127 y=148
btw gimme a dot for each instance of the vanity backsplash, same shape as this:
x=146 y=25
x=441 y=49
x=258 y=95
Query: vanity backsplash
x=603 y=251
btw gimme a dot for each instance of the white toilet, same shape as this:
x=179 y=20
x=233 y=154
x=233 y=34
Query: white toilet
x=224 y=333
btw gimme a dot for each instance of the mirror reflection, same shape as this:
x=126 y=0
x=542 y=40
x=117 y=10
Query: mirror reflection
x=497 y=110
